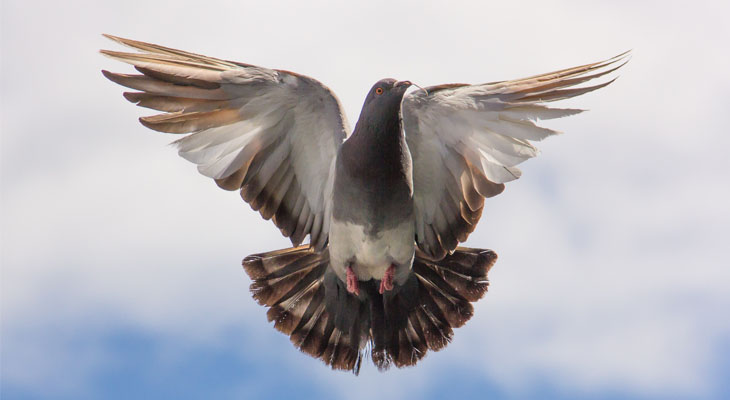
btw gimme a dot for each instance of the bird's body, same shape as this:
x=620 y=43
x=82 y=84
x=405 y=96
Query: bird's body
x=385 y=207
x=372 y=224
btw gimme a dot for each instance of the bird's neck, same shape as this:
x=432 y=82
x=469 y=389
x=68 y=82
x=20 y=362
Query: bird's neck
x=376 y=142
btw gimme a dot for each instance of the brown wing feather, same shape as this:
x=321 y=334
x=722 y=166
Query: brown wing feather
x=241 y=118
x=475 y=135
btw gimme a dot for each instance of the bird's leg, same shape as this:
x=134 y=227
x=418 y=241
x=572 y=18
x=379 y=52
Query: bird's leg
x=352 y=283
x=387 y=282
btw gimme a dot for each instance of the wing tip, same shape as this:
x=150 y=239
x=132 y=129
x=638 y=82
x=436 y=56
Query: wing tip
x=116 y=55
x=132 y=97
x=148 y=124
x=121 y=40
x=111 y=37
x=623 y=55
x=109 y=75
x=116 y=39
x=105 y=53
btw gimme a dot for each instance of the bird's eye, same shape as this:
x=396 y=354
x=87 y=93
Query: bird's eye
x=379 y=91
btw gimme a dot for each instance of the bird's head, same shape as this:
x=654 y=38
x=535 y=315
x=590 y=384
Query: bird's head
x=386 y=93
x=383 y=102
x=388 y=89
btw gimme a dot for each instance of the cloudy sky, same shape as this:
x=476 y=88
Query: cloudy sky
x=121 y=271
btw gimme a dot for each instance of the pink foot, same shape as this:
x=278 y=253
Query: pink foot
x=352 y=284
x=387 y=282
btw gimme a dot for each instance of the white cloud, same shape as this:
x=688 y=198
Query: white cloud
x=611 y=245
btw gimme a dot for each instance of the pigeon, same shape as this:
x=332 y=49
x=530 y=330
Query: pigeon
x=385 y=206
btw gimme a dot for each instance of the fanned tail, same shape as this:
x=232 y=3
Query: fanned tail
x=291 y=282
x=420 y=315
x=311 y=305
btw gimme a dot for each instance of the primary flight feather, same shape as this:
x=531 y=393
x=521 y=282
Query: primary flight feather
x=385 y=206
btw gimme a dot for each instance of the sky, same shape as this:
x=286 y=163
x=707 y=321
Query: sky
x=121 y=273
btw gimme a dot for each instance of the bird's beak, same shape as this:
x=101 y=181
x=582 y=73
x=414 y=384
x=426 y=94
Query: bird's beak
x=403 y=84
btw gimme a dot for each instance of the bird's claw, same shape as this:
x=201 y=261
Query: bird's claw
x=386 y=283
x=352 y=283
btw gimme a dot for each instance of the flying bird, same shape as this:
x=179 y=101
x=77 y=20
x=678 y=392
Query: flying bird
x=385 y=205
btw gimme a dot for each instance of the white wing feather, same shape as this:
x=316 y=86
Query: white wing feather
x=466 y=141
x=272 y=134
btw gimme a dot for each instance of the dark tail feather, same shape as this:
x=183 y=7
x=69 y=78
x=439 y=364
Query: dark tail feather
x=291 y=282
x=309 y=303
x=420 y=315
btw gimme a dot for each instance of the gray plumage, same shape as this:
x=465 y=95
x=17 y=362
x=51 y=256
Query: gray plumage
x=385 y=208
x=372 y=221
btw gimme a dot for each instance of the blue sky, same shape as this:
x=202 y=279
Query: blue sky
x=121 y=271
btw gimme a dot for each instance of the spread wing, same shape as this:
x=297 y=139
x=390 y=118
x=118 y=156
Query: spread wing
x=466 y=140
x=271 y=134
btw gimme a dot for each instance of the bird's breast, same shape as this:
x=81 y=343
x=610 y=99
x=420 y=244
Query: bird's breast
x=370 y=254
x=372 y=224
x=372 y=189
